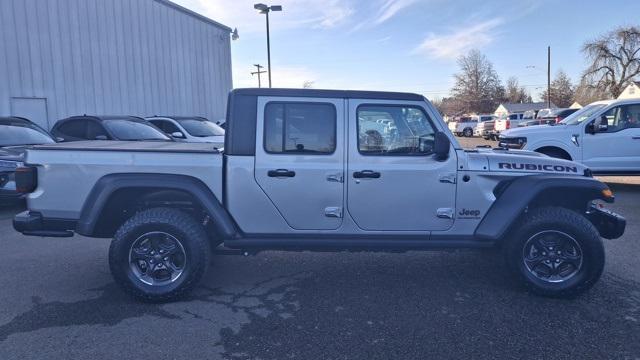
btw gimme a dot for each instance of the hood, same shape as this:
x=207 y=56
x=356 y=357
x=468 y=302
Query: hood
x=521 y=161
x=13 y=153
x=534 y=130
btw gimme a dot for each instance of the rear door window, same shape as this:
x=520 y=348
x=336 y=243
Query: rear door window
x=303 y=128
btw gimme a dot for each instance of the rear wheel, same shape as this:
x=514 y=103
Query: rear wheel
x=159 y=254
x=468 y=132
x=555 y=252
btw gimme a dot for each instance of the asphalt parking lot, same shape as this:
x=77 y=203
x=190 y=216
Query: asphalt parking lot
x=59 y=302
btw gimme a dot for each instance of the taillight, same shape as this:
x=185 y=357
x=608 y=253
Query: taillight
x=558 y=119
x=508 y=124
x=26 y=179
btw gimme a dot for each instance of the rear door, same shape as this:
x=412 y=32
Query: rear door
x=299 y=162
x=394 y=183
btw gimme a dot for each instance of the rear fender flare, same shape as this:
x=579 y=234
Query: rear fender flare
x=105 y=187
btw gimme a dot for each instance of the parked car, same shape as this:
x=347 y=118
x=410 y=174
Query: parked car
x=605 y=136
x=290 y=170
x=126 y=128
x=506 y=122
x=556 y=115
x=485 y=129
x=189 y=128
x=465 y=126
x=16 y=134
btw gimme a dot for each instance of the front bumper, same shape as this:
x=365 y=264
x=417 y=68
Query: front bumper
x=609 y=224
x=34 y=224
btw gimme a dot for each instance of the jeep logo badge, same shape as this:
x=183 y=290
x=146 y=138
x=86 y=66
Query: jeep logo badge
x=468 y=214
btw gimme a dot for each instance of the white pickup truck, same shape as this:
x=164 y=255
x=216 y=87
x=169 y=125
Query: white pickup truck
x=605 y=136
x=466 y=126
x=318 y=170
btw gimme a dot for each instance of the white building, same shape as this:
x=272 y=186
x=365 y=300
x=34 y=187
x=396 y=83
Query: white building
x=60 y=58
x=632 y=91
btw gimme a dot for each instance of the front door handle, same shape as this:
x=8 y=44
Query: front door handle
x=281 y=173
x=366 y=174
x=635 y=137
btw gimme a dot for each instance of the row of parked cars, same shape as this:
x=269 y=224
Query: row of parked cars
x=490 y=126
x=17 y=134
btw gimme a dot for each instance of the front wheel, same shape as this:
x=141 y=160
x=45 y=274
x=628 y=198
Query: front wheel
x=555 y=252
x=159 y=254
x=468 y=132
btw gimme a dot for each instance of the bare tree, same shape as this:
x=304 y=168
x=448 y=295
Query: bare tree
x=586 y=93
x=516 y=93
x=615 y=59
x=562 y=90
x=477 y=85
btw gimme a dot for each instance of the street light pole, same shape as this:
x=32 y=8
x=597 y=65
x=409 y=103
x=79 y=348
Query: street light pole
x=268 y=51
x=265 y=9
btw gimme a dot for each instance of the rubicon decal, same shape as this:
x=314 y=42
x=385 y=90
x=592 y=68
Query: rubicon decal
x=538 y=167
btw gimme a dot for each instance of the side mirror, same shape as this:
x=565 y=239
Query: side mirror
x=441 y=146
x=177 y=135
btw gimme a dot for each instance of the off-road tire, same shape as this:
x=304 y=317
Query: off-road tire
x=568 y=222
x=177 y=223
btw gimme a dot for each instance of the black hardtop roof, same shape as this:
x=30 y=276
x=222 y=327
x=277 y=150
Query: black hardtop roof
x=106 y=117
x=346 y=94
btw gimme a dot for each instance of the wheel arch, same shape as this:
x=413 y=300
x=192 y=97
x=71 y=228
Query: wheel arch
x=545 y=149
x=513 y=197
x=115 y=197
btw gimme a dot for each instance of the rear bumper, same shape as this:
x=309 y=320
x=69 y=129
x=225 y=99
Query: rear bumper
x=609 y=224
x=34 y=224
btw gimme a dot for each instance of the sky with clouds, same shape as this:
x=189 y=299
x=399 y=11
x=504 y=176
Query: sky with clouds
x=411 y=45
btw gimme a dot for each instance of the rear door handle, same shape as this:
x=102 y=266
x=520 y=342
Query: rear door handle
x=635 y=137
x=281 y=173
x=366 y=174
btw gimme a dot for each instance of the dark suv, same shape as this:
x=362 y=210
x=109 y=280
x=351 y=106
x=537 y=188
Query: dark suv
x=127 y=128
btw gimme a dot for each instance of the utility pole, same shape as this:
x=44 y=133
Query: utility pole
x=549 y=76
x=258 y=72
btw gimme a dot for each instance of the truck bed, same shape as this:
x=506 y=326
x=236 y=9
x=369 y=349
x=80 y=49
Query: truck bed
x=75 y=168
x=133 y=146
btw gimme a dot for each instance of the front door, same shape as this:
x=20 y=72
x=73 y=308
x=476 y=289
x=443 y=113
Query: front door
x=394 y=182
x=299 y=161
x=618 y=148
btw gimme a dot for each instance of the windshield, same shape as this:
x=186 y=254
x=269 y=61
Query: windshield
x=201 y=128
x=13 y=135
x=133 y=130
x=583 y=114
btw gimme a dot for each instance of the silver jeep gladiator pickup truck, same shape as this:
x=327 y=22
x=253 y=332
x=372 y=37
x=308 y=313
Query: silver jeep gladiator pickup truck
x=319 y=170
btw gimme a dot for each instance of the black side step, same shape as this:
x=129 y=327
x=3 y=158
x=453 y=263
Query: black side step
x=49 y=233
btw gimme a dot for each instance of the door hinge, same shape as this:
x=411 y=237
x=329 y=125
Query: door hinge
x=333 y=211
x=449 y=178
x=445 y=213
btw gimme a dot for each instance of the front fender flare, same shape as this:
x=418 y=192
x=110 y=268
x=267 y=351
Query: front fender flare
x=514 y=198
